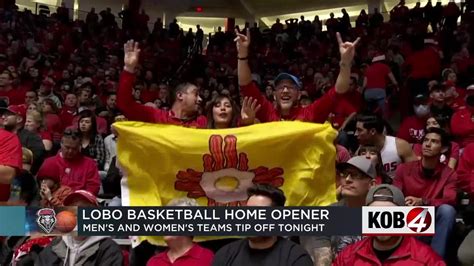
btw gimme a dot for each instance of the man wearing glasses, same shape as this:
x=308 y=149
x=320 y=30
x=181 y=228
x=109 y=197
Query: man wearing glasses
x=75 y=170
x=288 y=87
x=357 y=177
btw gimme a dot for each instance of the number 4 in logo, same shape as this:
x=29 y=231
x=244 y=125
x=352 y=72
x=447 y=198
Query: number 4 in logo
x=419 y=220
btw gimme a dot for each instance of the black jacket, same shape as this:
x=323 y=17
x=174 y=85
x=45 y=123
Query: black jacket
x=34 y=143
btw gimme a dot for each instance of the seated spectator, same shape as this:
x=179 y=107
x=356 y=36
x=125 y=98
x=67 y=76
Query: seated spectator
x=357 y=177
x=110 y=143
x=81 y=250
x=69 y=110
x=45 y=92
x=465 y=171
x=388 y=250
x=24 y=189
x=181 y=249
x=263 y=250
x=438 y=105
x=10 y=161
x=413 y=127
x=92 y=144
x=372 y=153
x=76 y=170
x=346 y=109
x=370 y=131
x=462 y=122
x=451 y=156
x=110 y=109
x=34 y=123
x=52 y=120
x=428 y=182
x=51 y=191
x=13 y=121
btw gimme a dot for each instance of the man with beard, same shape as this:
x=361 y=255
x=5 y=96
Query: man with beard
x=288 y=87
x=14 y=120
x=7 y=90
x=185 y=98
x=263 y=250
x=393 y=250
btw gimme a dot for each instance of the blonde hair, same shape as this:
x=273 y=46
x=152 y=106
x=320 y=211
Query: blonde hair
x=27 y=156
x=37 y=117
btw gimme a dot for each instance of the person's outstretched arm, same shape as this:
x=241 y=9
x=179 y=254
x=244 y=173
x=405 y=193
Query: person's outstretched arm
x=125 y=101
x=347 y=51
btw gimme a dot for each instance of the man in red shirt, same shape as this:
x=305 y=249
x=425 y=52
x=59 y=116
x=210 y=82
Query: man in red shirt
x=288 y=88
x=375 y=82
x=428 y=182
x=388 y=250
x=76 y=170
x=412 y=128
x=12 y=95
x=185 y=105
x=10 y=161
x=462 y=122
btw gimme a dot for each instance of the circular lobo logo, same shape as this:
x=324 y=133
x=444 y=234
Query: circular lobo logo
x=419 y=220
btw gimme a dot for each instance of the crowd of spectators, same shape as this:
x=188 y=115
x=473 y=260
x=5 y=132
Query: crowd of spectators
x=63 y=83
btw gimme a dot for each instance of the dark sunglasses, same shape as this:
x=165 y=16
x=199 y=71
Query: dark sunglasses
x=71 y=133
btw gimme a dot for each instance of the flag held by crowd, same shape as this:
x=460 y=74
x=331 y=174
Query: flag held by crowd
x=215 y=167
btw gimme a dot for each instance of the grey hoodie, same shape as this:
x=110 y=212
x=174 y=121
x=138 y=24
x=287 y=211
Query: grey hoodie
x=76 y=248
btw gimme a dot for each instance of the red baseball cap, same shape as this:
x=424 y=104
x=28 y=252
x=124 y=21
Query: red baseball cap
x=19 y=110
x=80 y=195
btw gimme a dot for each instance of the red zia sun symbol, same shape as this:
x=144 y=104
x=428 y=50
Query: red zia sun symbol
x=226 y=176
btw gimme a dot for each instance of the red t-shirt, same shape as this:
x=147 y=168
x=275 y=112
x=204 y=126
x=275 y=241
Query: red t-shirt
x=195 y=256
x=10 y=155
x=377 y=75
x=462 y=127
x=424 y=64
x=341 y=112
x=15 y=96
x=54 y=125
x=412 y=129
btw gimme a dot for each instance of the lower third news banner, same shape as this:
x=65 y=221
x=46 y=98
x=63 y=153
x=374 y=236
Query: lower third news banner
x=219 y=221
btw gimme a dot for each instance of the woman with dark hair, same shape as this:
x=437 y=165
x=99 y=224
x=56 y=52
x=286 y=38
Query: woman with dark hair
x=451 y=157
x=222 y=112
x=92 y=144
x=372 y=153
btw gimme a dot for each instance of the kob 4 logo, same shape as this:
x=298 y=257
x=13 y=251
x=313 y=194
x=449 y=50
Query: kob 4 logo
x=398 y=221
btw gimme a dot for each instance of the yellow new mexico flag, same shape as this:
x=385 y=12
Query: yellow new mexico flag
x=216 y=167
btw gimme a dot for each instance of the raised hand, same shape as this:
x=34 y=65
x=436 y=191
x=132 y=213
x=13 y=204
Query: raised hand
x=249 y=110
x=242 y=42
x=132 y=54
x=346 y=49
